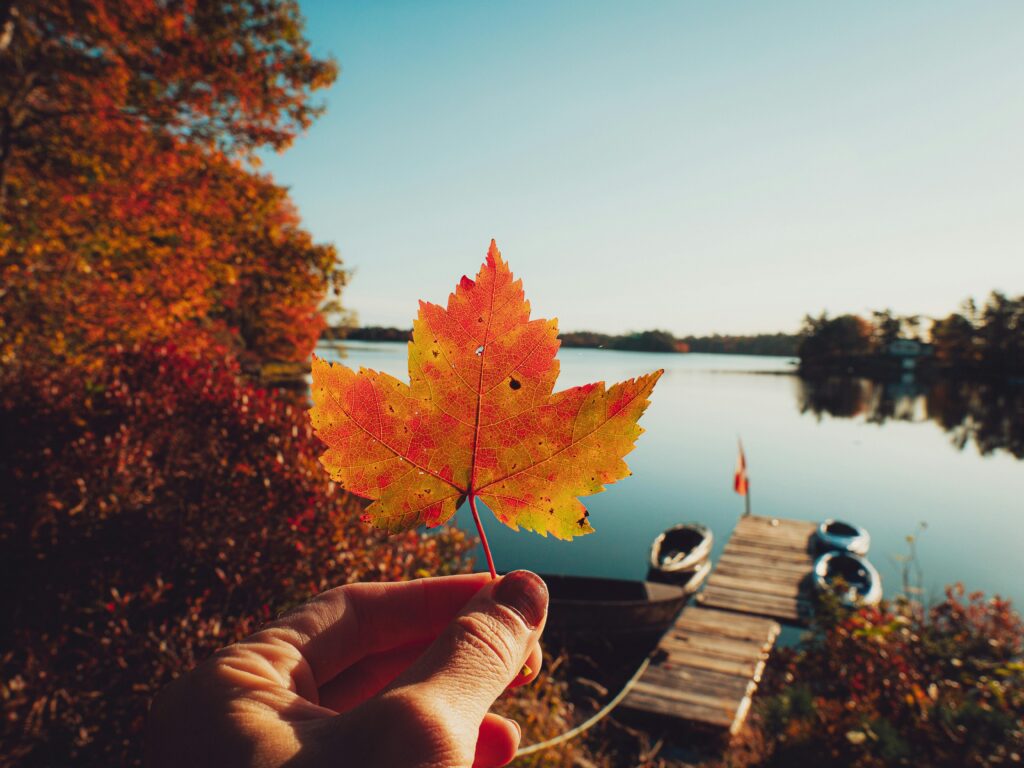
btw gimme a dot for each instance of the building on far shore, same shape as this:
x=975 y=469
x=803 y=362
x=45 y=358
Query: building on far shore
x=909 y=352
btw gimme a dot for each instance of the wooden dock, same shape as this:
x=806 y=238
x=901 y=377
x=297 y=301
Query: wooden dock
x=707 y=666
x=765 y=570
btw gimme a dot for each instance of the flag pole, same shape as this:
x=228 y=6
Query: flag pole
x=741 y=482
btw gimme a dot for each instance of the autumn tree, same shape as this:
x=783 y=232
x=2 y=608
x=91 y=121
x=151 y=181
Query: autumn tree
x=163 y=505
x=823 y=337
x=228 y=75
x=953 y=337
x=129 y=210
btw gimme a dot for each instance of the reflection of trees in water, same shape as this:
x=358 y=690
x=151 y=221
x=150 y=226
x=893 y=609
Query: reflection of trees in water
x=989 y=415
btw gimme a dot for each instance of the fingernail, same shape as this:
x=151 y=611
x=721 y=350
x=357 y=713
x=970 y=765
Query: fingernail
x=526 y=594
x=518 y=728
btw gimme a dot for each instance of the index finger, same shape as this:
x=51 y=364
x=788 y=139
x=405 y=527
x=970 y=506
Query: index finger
x=338 y=627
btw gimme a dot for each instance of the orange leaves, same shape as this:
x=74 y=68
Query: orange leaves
x=479 y=418
x=127 y=214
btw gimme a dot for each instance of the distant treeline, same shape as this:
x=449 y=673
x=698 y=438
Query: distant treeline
x=643 y=341
x=369 y=333
x=987 y=339
x=782 y=344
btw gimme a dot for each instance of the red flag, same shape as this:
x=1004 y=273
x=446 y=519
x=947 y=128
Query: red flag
x=740 y=481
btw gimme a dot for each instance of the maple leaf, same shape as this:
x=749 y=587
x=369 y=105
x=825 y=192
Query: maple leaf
x=478 y=419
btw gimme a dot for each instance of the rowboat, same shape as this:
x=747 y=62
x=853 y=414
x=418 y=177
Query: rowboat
x=681 y=549
x=593 y=606
x=840 y=535
x=862 y=584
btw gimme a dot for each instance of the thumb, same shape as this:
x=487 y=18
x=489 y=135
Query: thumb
x=482 y=650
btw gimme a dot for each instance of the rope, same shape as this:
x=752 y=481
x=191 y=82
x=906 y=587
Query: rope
x=592 y=720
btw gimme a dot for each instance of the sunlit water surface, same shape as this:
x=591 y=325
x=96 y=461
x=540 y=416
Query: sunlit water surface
x=888 y=477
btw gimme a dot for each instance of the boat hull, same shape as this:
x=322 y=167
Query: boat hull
x=838 y=535
x=695 y=539
x=864 y=583
x=691 y=581
x=596 y=607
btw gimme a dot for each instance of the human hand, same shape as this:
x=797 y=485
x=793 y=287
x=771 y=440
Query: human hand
x=384 y=674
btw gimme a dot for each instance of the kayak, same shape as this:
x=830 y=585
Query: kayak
x=863 y=584
x=839 y=535
x=682 y=548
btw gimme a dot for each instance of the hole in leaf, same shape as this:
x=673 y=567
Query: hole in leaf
x=480 y=349
x=514 y=384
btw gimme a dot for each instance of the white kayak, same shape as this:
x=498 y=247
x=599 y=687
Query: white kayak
x=862 y=583
x=840 y=535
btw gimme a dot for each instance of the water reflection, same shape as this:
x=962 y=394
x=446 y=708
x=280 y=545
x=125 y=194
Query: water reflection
x=989 y=415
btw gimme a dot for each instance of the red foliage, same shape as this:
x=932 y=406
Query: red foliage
x=161 y=509
x=898 y=685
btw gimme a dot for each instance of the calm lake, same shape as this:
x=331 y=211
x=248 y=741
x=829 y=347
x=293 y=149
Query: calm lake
x=887 y=458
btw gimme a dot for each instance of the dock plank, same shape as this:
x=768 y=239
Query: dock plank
x=661 y=705
x=764 y=570
x=763 y=586
x=777 y=553
x=714 y=646
x=706 y=668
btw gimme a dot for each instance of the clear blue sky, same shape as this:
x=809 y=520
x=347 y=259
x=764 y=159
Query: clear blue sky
x=690 y=166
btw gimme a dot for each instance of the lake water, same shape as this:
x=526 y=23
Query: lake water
x=886 y=458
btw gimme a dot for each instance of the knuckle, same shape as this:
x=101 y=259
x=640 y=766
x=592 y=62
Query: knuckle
x=492 y=639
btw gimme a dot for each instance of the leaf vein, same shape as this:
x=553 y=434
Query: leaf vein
x=572 y=443
x=389 y=447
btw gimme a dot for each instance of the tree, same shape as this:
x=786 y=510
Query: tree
x=887 y=328
x=954 y=340
x=823 y=338
x=1001 y=331
x=131 y=216
x=991 y=338
x=229 y=75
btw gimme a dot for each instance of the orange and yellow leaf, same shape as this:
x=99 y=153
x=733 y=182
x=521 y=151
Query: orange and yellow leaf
x=479 y=417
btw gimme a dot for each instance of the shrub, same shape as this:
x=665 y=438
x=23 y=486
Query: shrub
x=898 y=685
x=151 y=513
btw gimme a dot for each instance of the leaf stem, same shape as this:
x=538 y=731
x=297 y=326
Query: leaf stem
x=483 y=536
